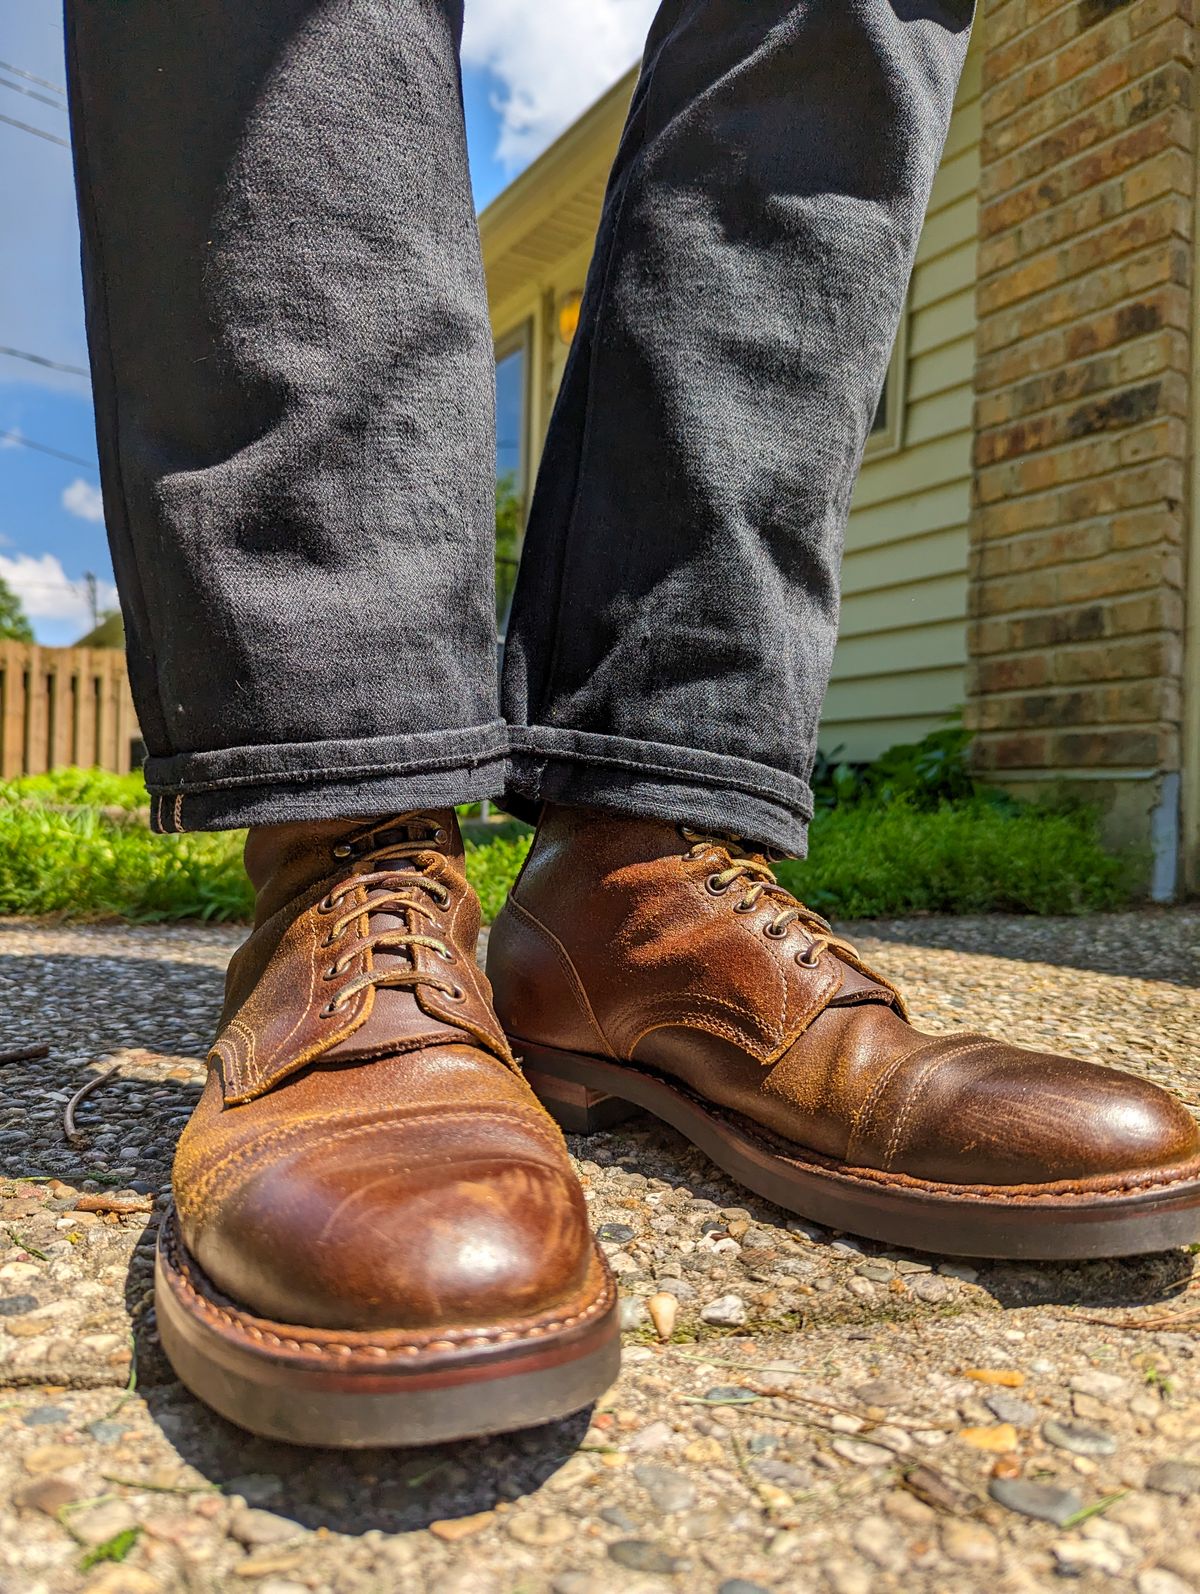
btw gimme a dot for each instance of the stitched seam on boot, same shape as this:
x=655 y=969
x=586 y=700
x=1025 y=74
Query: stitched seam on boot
x=186 y=1270
x=194 y=1198
x=574 y=983
x=931 y=1066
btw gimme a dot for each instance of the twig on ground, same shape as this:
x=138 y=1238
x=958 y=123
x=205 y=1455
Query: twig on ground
x=24 y=1054
x=114 y=1203
x=1166 y=1322
x=72 y=1134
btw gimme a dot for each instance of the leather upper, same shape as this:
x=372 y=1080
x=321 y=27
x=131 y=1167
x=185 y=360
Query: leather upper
x=366 y=1153
x=630 y=940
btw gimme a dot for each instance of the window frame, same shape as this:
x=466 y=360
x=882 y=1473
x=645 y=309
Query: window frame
x=889 y=439
x=519 y=339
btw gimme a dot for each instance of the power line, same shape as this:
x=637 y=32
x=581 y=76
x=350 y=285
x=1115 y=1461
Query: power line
x=30 y=77
x=37 y=132
x=40 y=359
x=42 y=99
x=44 y=448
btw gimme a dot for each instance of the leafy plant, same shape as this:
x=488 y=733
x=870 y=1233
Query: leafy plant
x=14 y=623
x=114 y=1549
x=885 y=858
x=510 y=525
x=934 y=770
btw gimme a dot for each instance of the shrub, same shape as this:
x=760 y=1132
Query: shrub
x=911 y=833
x=878 y=859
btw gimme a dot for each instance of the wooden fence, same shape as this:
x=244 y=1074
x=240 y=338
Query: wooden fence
x=65 y=706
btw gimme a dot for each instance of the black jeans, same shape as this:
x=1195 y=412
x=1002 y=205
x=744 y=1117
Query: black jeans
x=293 y=371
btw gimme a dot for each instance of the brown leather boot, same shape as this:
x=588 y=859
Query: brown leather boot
x=377 y=1238
x=636 y=963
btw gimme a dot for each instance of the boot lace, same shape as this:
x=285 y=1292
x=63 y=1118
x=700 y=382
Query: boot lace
x=755 y=876
x=404 y=890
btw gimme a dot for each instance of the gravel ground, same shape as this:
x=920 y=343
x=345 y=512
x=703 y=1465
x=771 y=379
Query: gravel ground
x=818 y=1414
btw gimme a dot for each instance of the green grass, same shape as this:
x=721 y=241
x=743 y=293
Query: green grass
x=870 y=858
x=94 y=788
x=879 y=860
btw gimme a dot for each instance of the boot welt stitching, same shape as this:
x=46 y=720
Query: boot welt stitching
x=191 y=1281
x=1016 y=1194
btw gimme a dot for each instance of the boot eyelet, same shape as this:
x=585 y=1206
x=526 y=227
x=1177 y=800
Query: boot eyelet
x=774 y=932
x=329 y=1010
x=806 y=962
x=332 y=972
x=345 y=850
x=743 y=906
x=714 y=886
x=446 y=955
x=456 y=995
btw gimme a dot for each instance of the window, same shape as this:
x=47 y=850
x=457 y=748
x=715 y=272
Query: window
x=512 y=361
x=512 y=459
x=887 y=431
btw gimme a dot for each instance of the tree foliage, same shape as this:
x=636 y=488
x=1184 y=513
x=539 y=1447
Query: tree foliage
x=14 y=623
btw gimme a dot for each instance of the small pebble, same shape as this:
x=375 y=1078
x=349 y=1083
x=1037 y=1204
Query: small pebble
x=542 y=1531
x=1010 y=1408
x=45 y=1416
x=255 y=1528
x=639 y=1555
x=669 y=1491
x=1078 y=1438
x=1045 y=1501
x=1174 y=1477
x=727 y=1311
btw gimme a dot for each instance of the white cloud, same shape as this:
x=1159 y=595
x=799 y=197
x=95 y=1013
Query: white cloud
x=46 y=593
x=84 y=500
x=551 y=61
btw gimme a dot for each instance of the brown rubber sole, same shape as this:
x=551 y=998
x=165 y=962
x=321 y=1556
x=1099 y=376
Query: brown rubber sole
x=356 y=1390
x=1153 y=1211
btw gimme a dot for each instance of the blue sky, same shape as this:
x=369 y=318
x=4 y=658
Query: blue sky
x=528 y=70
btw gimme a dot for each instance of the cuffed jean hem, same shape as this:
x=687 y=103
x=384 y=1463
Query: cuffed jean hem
x=361 y=777
x=710 y=791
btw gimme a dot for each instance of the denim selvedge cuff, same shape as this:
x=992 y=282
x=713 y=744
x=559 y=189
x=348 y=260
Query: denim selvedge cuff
x=655 y=780
x=276 y=784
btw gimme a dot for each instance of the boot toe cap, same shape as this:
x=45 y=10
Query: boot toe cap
x=375 y=1238
x=1010 y=1117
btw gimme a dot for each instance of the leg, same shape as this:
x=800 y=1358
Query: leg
x=293 y=373
x=757 y=239
x=676 y=611
x=377 y=1236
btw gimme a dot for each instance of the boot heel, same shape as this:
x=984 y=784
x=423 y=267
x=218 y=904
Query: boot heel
x=575 y=1108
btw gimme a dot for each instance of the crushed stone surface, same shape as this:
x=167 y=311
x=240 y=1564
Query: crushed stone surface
x=826 y=1414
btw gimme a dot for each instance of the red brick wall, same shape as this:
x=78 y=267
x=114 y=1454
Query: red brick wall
x=1083 y=392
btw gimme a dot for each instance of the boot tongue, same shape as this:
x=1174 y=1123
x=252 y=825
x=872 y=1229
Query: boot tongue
x=284 y=861
x=859 y=987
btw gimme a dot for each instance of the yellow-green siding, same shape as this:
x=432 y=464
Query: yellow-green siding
x=900 y=666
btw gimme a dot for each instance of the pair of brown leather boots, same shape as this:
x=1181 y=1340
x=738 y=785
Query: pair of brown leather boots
x=378 y=1237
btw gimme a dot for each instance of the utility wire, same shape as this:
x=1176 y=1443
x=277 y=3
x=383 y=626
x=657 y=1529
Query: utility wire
x=44 y=448
x=37 y=132
x=40 y=359
x=43 y=99
x=30 y=77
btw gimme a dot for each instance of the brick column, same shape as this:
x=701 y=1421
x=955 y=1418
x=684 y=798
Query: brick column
x=1083 y=407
